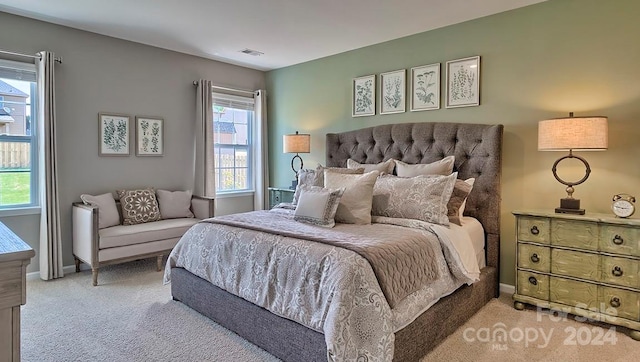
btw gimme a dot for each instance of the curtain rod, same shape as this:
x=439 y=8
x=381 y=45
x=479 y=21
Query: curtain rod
x=57 y=59
x=195 y=82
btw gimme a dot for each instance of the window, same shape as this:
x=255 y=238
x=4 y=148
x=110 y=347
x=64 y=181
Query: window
x=18 y=142
x=233 y=120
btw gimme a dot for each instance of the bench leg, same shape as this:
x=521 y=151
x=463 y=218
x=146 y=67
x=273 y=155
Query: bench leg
x=159 y=263
x=77 y=265
x=94 y=274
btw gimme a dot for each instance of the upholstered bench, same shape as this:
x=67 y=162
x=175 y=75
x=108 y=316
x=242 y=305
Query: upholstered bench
x=98 y=241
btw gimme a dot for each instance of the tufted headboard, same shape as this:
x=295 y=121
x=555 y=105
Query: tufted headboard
x=477 y=149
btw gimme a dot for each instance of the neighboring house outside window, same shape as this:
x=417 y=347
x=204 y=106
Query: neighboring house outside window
x=233 y=119
x=18 y=144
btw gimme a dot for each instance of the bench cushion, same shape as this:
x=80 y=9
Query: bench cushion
x=122 y=235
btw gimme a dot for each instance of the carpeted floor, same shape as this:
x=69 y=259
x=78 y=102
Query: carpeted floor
x=130 y=317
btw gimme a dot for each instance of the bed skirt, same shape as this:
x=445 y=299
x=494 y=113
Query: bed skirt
x=291 y=341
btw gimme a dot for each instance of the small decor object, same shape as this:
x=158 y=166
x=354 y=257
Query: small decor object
x=392 y=92
x=114 y=134
x=296 y=143
x=425 y=87
x=580 y=134
x=149 y=136
x=364 y=96
x=623 y=205
x=463 y=82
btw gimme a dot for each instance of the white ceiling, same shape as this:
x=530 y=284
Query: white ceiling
x=287 y=31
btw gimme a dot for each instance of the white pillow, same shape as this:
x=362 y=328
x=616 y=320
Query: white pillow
x=317 y=205
x=355 y=204
x=383 y=167
x=443 y=167
x=174 y=204
x=422 y=197
x=107 y=209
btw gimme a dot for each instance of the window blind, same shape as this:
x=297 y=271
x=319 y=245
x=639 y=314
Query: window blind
x=232 y=101
x=17 y=70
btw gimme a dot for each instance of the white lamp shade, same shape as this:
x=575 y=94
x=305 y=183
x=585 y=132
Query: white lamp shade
x=296 y=143
x=573 y=133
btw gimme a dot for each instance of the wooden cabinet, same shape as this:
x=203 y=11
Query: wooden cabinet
x=278 y=195
x=15 y=255
x=586 y=264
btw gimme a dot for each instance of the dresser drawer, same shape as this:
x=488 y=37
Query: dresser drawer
x=620 y=271
x=620 y=239
x=534 y=257
x=575 y=234
x=533 y=285
x=620 y=303
x=575 y=264
x=535 y=229
x=573 y=293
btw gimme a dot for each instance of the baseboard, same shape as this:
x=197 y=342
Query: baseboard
x=66 y=270
x=507 y=288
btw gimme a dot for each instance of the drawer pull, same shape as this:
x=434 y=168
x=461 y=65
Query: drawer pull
x=615 y=302
x=533 y=280
x=617 y=271
x=534 y=230
x=534 y=258
x=618 y=240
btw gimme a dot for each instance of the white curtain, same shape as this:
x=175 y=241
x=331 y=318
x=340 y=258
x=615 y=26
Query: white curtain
x=50 y=237
x=261 y=164
x=204 y=168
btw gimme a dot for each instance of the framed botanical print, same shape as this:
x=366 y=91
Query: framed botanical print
x=392 y=92
x=463 y=82
x=115 y=134
x=425 y=87
x=364 y=96
x=149 y=136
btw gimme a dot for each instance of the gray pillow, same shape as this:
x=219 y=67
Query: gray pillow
x=355 y=204
x=443 y=167
x=382 y=167
x=317 y=205
x=422 y=197
x=107 y=209
x=174 y=204
x=139 y=206
x=461 y=190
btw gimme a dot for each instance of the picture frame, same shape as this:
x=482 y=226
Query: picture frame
x=115 y=134
x=363 y=94
x=149 y=136
x=463 y=82
x=425 y=88
x=392 y=92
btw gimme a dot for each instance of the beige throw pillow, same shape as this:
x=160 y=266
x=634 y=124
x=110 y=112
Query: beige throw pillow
x=422 y=197
x=107 y=209
x=383 y=167
x=139 y=206
x=355 y=204
x=174 y=204
x=443 y=167
x=461 y=190
x=315 y=177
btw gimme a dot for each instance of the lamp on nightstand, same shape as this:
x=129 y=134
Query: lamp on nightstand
x=296 y=143
x=572 y=134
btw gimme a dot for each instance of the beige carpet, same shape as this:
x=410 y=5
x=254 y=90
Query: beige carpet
x=130 y=317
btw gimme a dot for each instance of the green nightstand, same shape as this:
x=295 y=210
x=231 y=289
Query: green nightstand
x=278 y=195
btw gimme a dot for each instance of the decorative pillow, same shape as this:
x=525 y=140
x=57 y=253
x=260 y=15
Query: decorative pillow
x=470 y=181
x=443 y=167
x=315 y=177
x=318 y=205
x=383 y=167
x=422 y=197
x=107 y=209
x=355 y=204
x=174 y=204
x=461 y=190
x=139 y=206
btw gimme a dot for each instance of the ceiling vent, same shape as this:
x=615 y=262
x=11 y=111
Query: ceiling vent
x=255 y=53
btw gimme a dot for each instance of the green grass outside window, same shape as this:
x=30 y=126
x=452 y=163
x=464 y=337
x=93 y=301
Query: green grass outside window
x=15 y=188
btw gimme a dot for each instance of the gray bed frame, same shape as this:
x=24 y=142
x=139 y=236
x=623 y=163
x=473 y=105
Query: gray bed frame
x=478 y=153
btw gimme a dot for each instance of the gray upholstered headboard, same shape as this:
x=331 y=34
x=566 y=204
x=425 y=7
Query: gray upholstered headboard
x=477 y=149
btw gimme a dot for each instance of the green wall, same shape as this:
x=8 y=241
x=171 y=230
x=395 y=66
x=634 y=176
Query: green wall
x=538 y=62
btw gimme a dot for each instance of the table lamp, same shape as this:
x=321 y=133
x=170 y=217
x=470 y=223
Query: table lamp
x=296 y=143
x=572 y=134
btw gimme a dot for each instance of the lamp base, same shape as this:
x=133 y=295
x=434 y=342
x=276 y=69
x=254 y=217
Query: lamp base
x=570 y=206
x=294 y=184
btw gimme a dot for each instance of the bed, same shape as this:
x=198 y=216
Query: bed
x=477 y=151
